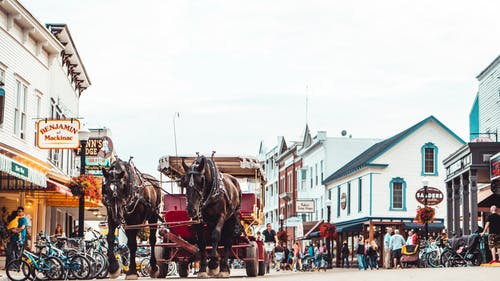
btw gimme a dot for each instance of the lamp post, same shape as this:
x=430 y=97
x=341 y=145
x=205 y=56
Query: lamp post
x=425 y=183
x=281 y=221
x=83 y=134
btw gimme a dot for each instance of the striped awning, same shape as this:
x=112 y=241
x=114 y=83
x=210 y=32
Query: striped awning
x=12 y=171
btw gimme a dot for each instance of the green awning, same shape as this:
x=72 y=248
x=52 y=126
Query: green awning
x=20 y=171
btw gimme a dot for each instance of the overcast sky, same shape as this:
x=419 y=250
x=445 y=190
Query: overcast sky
x=238 y=72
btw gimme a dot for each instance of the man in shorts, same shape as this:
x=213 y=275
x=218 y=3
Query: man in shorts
x=493 y=225
x=270 y=241
x=396 y=244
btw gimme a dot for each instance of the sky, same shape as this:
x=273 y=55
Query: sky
x=238 y=72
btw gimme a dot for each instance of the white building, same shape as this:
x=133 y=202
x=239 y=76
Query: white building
x=484 y=118
x=271 y=172
x=321 y=156
x=377 y=188
x=42 y=76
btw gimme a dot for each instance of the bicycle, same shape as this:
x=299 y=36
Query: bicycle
x=29 y=264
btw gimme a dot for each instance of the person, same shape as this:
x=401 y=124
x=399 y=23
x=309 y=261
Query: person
x=74 y=234
x=59 y=231
x=360 y=253
x=409 y=240
x=278 y=255
x=396 y=244
x=270 y=235
x=387 y=249
x=310 y=253
x=286 y=254
x=493 y=226
x=344 y=251
x=372 y=254
x=317 y=256
x=259 y=236
x=296 y=257
x=18 y=237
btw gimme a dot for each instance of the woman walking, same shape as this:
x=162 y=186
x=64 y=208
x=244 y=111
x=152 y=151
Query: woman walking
x=296 y=257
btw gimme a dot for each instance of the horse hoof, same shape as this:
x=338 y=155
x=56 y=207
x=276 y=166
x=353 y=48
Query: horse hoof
x=202 y=275
x=223 y=274
x=114 y=275
x=131 y=277
x=213 y=272
x=155 y=273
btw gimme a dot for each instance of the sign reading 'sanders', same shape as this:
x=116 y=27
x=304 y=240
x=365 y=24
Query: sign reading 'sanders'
x=58 y=134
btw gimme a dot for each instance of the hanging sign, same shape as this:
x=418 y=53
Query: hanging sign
x=434 y=196
x=343 y=201
x=495 y=166
x=57 y=133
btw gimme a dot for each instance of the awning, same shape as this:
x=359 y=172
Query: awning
x=486 y=198
x=354 y=227
x=310 y=227
x=60 y=188
x=431 y=226
x=13 y=168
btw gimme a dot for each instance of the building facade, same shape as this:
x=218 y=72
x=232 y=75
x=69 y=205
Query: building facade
x=378 y=187
x=484 y=118
x=41 y=76
x=321 y=156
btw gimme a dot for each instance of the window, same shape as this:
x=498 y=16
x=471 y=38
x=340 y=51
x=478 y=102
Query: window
x=20 y=110
x=338 y=201
x=321 y=170
x=348 y=198
x=2 y=95
x=397 y=194
x=316 y=169
x=38 y=105
x=429 y=159
x=311 y=179
x=360 y=194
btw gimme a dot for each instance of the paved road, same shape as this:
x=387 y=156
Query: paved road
x=420 y=274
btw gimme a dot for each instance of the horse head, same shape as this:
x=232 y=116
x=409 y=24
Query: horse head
x=116 y=187
x=195 y=181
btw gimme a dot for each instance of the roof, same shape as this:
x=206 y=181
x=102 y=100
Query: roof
x=491 y=66
x=366 y=157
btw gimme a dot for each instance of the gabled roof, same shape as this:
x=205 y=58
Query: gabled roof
x=366 y=157
x=307 y=139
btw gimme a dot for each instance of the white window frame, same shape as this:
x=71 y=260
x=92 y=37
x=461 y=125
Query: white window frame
x=20 y=109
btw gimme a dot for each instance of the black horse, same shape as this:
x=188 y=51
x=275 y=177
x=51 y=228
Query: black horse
x=215 y=198
x=130 y=198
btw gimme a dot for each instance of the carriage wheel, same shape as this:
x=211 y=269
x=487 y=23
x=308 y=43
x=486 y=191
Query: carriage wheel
x=262 y=268
x=252 y=262
x=183 y=269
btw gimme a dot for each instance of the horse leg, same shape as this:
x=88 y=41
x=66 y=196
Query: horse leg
x=213 y=264
x=228 y=243
x=203 y=253
x=154 y=272
x=132 y=245
x=113 y=268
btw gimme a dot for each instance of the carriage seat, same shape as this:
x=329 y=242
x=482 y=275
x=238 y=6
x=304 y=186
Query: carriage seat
x=177 y=216
x=248 y=206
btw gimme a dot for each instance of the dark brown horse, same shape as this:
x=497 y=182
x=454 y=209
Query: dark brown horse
x=130 y=198
x=215 y=198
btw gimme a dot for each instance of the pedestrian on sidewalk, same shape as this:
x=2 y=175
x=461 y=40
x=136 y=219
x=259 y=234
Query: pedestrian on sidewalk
x=387 y=248
x=493 y=225
x=360 y=253
x=18 y=236
x=396 y=244
x=345 y=254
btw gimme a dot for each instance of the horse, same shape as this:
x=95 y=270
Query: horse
x=130 y=198
x=215 y=199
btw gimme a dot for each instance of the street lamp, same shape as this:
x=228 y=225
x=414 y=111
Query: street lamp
x=282 y=217
x=425 y=183
x=83 y=134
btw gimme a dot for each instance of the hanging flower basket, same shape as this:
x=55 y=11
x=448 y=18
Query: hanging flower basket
x=85 y=185
x=282 y=236
x=425 y=215
x=328 y=230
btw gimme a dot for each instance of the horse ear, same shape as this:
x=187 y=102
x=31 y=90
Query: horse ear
x=202 y=164
x=105 y=172
x=184 y=166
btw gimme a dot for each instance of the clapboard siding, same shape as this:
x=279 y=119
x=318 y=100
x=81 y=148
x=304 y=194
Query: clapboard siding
x=489 y=99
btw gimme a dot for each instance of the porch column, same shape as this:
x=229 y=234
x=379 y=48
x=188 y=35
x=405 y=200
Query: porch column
x=449 y=207
x=370 y=235
x=473 y=198
x=456 y=206
x=464 y=185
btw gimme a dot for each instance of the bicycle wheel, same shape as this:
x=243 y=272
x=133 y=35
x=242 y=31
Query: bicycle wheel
x=18 y=270
x=101 y=263
x=477 y=259
x=447 y=259
x=433 y=259
x=144 y=267
x=79 y=267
